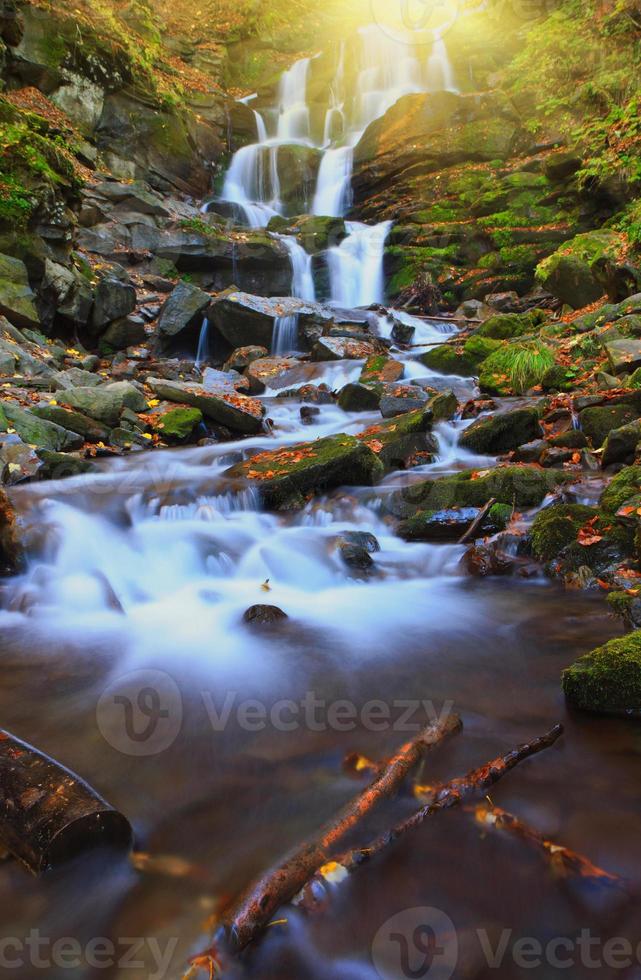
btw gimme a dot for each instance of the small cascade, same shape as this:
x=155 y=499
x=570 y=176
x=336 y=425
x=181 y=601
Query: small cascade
x=356 y=265
x=285 y=337
x=440 y=76
x=293 y=111
x=203 y=343
x=302 y=278
x=334 y=187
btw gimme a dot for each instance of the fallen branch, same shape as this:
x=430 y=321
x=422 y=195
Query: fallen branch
x=47 y=813
x=252 y=913
x=564 y=862
x=449 y=795
x=476 y=523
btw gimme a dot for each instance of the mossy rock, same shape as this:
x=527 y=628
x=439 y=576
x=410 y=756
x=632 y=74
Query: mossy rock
x=381 y=369
x=505 y=326
x=502 y=433
x=621 y=444
x=572 y=439
x=624 y=486
x=178 y=424
x=607 y=680
x=558 y=526
x=570 y=273
x=356 y=397
x=285 y=477
x=396 y=440
x=597 y=422
x=519 y=486
x=514 y=368
x=462 y=361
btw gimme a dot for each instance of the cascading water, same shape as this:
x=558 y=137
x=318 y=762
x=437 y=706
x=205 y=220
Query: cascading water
x=356 y=265
x=203 y=343
x=388 y=69
x=285 y=337
x=302 y=277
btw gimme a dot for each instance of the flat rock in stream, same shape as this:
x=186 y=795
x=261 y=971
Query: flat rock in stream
x=344 y=349
x=275 y=372
x=285 y=477
x=106 y=403
x=381 y=368
x=501 y=433
x=397 y=440
x=237 y=412
x=38 y=432
x=438 y=525
x=519 y=486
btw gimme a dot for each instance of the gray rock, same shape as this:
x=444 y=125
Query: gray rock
x=17 y=299
x=114 y=299
x=126 y=332
x=105 y=404
x=18 y=461
x=264 y=615
x=184 y=310
x=235 y=411
x=89 y=429
x=38 y=432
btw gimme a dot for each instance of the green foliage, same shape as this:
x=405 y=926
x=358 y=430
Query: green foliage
x=515 y=368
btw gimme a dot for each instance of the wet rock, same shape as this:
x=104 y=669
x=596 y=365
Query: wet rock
x=558 y=526
x=18 y=461
x=227 y=408
x=62 y=466
x=246 y=320
x=273 y=372
x=624 y=486
x=403 y=333
x=113 y=300
x=571 y=439
x=314 y=394
x=78 y=378
x=502 y=433
x=397 y=440
x=628 y=607
x=506 y=326
x=607 y=680
x=134 y=196
x=485 y=560
x=183 y=313
x=341 y=348
x=359 y=397
x=557 y=457
x=401 y=399
x=264 y=615
x=284 y=477
x=381 y=369
x=308 y=414
x=356 y=557
x=17 y=299
x=37 y=432
x=503 y=302
x=520 y=486
x=599 y=421
x=106 y=403
x=443 y=525
x=531 y=452
x=361 y=539
x=89 y=429
x=242 y=357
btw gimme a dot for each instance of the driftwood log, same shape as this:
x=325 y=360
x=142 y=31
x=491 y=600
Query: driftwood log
x=47 y=813
x=254 y=910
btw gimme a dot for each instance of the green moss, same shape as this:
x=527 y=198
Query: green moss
x=620 y=603
x=519 y=486
x=597 y=422
x=505 y=326
x=558 y=526
x=607 y=680
x=624 y=486
x=515 y=368
x=178 y=424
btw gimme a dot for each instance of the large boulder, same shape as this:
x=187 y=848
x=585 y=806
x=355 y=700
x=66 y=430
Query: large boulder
x=182 y=315
x=621 y=444
x=599 y=420
x=252 y=261
x=17 y=299
x=607 y=680
x=298 y=167
x=224 y=406
x=502 y=433
x=113 y=299
x=89 y=429
x=285 y=477
x=574 y=273
x=247 y=320
x=398 y=439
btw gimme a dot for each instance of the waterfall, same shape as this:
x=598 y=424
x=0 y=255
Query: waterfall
x=356 y=265
x=302 y=278
x=440 y=76
x=285 y=337
x=293 y=111
x=203 y=343
x=261 y=128
x=333 y=190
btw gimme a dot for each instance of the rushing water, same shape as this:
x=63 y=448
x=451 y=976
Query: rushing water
x=140 y=574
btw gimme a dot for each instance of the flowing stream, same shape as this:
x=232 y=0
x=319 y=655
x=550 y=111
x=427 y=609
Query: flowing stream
x=141 y=574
